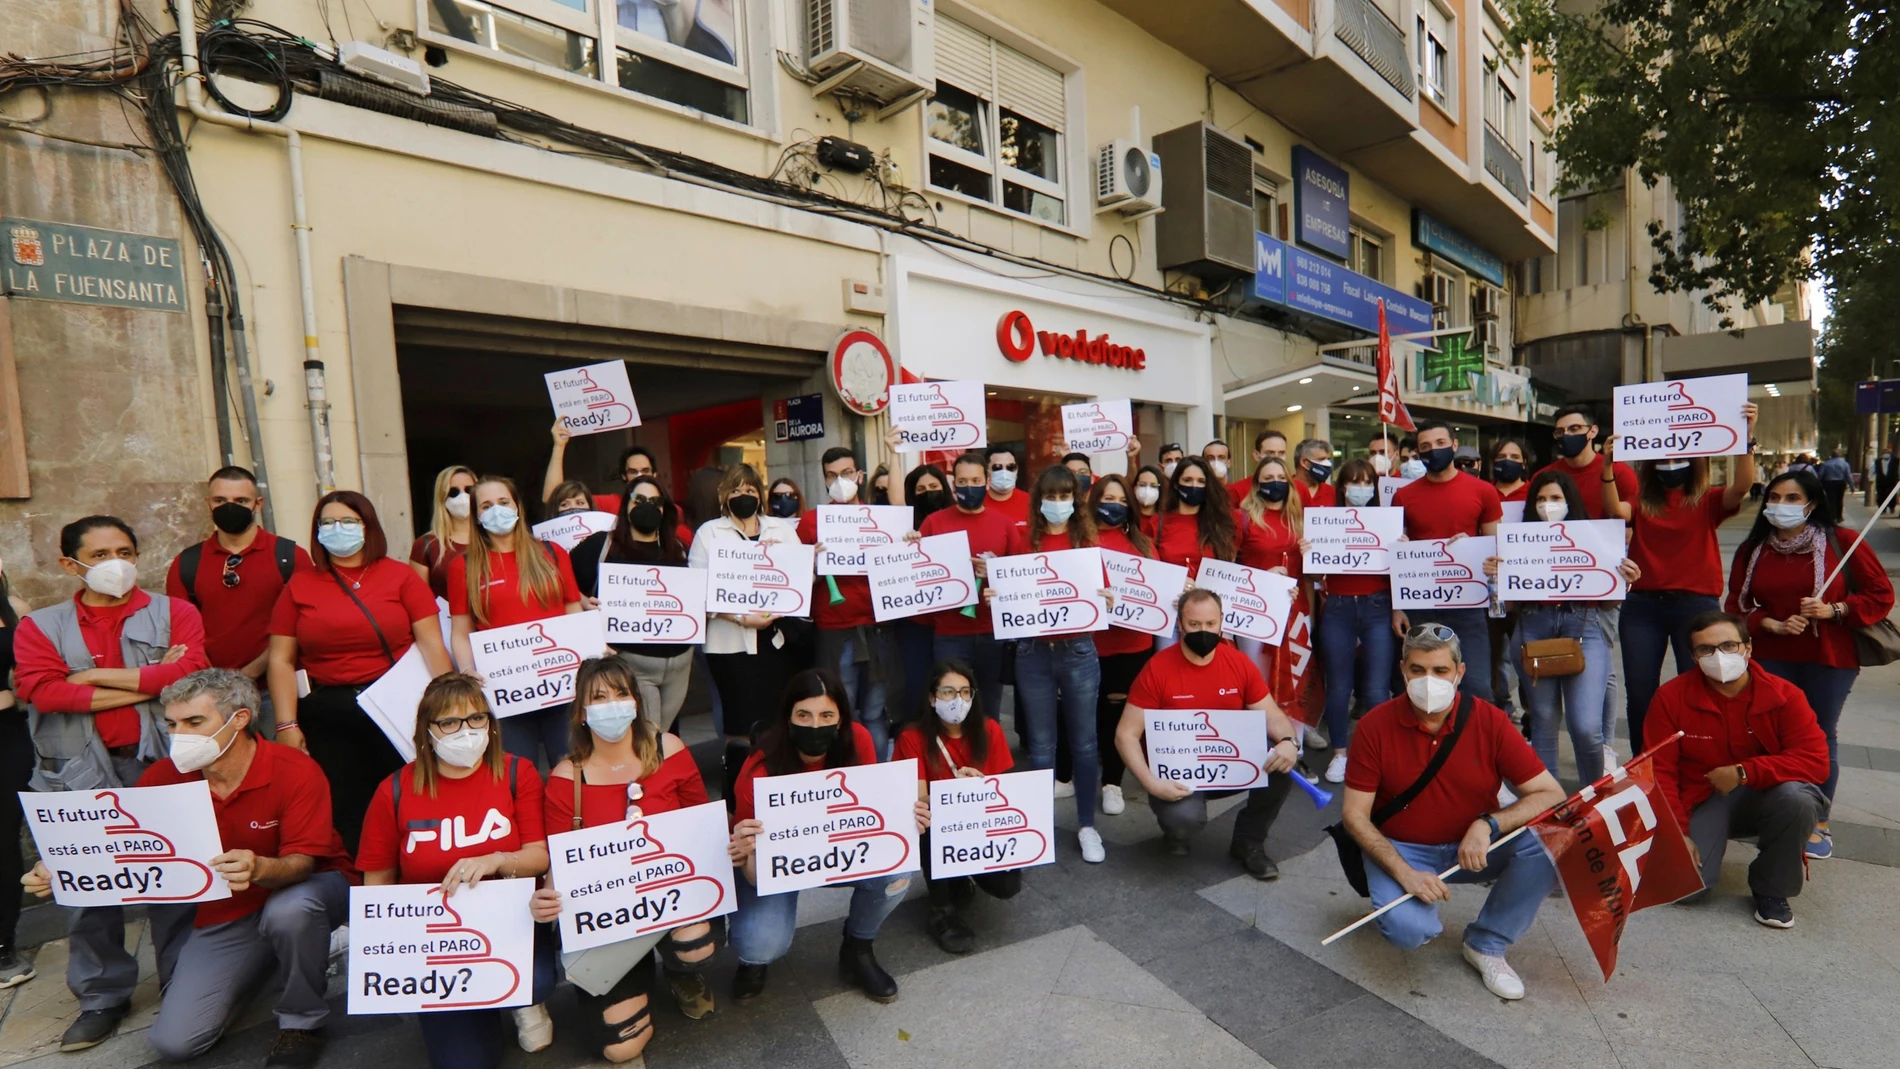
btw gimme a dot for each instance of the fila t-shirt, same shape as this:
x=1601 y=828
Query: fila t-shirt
x=468 y=817
x=1171 y=681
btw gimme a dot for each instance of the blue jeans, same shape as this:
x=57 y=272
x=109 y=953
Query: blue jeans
x=984 y=655
x=473 y=1039
x=1827 y=690
x=1473 y=629
x=1655 y=621
x=1579 y=698
x=1061 y=677
x=864 y=673
x=1523 y=875
x=763 y=926
x=1356 y=644
x=525 y=734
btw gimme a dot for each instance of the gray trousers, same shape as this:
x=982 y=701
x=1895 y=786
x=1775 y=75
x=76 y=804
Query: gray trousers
x=662 y=682
x=1181 y=819
x=1781 y=818
x=206 y=974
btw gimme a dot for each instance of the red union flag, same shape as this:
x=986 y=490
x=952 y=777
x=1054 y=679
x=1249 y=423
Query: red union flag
x=1292 y=670
x=1391 y=409
x=1618 y=849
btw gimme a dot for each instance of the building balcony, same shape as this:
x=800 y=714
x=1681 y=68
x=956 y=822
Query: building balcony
x=1375 y=38
x=1503 y=163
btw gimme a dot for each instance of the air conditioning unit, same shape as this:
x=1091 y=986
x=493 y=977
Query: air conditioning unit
x=1127 y=179
x=1484 y=302
x=1207 y=229
x=884 y=48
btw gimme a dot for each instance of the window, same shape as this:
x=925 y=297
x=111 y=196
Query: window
x=994 y=131
x=1446 y=292
x=1266 y=202
x=1434 y=53
x=1487 y=304
x=1366 y=252
x=684 y=54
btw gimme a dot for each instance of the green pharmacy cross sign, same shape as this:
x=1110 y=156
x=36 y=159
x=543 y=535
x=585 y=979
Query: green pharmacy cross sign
x=1450 y=369
x=63 y=262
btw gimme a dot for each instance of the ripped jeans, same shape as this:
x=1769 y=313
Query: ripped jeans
x=763 y=927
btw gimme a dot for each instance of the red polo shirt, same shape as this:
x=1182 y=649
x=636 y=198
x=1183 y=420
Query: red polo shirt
x=989 y=531
x=1015 y=506
x=1390 y=748
x=1325 y=495
x=335 y=643
x=855 y=609
x=39 y=672
x=1178 y=540
x=237 y=618
x=1119 y=640
x=1589 y=479
x=1462 y=504
x=281 y=809
x=1170 y=681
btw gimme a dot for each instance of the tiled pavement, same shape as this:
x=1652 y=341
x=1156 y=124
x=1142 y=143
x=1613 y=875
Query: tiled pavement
x=1153 y=960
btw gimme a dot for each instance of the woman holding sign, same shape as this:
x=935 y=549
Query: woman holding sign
x=462 y=812
x=1507 y=470
x=1195 y=519
x=1356 y=644
x=813 y=730
x=618 y=768
x=1802 y=632
x=448 y=533
x=647 y=532
x=927 y=491
x=510 y=577
x=1123 y=652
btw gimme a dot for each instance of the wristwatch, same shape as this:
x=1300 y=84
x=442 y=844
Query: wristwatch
x=1742 y=772
x=1495 y=829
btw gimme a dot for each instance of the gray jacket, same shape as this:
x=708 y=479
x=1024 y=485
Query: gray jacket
x=71 y=756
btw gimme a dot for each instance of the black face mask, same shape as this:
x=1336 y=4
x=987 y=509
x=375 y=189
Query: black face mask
x=880 y=496
x=1571 y=445
x=743 y=507
x=784 y=506
x=233 y=518
x=1507 y=471
x=812 y=741
x=971 y=497
x=1319 y=472
x=645 y=517
x=1112 y=513
x=933 y=501
x=1201 y=643
x=1191 y=496
x=1274 y=490
x=1674 y=479
x=1437 y=460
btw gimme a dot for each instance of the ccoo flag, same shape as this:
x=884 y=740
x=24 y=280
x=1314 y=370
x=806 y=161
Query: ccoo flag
x=1618 y=849
x=1391 y=409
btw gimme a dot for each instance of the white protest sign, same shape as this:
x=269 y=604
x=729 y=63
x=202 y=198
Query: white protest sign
x=992 y=824
x=531 y=666
x=1209 y=749
x=1513 y=512
x=1041 y=594
x=1255 y=603
x=1440 y=573
x=571 y=529
x=772 y=577
x=126 y=845
x=1098 y=426
x=1681 y=418
x=928 y=575
x=1389 y=485
x=1145 y=592
x=848 y=532
x=591 y=399
x=1351 y=541
x=939 y=415
x=391 y=701
x=647 y=603
x=413 y=952
x=648 y=874
x=836 y=826
x=1570 y=561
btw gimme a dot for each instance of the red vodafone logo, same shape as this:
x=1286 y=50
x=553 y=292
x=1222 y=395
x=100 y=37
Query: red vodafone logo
x=1018 y=339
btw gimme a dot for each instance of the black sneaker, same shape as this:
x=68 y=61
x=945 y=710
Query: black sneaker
x=1176 y=845
x=295 y=1048
x=1255 y=860
x=947 y=927
x=14 y=969
x=748 y=983
x=1773 y=912
x=92 y=1028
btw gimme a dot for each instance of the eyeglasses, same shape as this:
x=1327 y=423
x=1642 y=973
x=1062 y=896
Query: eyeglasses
x=1437 y=631
x=230 y=570
x=1726 y=647
x=947 y=693
x=325 y=525
x=449 y=725
x=639 y=500
x=1466 y=464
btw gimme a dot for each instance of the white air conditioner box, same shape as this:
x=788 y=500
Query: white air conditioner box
x=1127 y=178
x=886 y=48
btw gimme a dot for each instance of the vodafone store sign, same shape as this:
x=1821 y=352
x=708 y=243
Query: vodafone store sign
x=1019 y=339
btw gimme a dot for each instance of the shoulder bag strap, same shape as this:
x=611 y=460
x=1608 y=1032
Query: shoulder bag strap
x=378 y=628
x=286 y=558
x=1404 y=798
x=580 y=777
x=188 y=569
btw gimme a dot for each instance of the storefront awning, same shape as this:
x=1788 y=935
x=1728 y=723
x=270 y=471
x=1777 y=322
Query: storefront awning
x=1315 y=385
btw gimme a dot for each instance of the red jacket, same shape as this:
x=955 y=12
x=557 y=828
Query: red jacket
x=1778 y=742
x=1782 y=581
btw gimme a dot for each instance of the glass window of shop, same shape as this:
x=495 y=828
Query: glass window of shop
x=1029 y=424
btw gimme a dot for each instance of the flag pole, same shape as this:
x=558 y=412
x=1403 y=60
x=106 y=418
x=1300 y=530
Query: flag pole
x=1868 y=526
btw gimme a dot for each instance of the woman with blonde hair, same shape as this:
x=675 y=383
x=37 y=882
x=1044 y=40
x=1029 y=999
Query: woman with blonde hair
x=449 y=526
x=510 y=577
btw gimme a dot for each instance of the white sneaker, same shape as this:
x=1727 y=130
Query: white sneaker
x=1610 y=760
x=1091 y=841
x=1065 y=789
x=1499 y=978
x=1112 y=801
x=1336 y=768
x=534 y=1028
x=1315 y=737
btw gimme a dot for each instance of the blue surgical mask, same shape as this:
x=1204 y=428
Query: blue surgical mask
x=1412 y=469
x=1359 y=494
x=1057 y=512
x=342 y=540
x=500 y=520
x=610 y=720
x=1786 y=517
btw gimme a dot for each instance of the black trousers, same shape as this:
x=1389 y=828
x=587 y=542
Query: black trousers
x=943 y=893
x=16 y=768
x=353 y=752
x=1181 y=819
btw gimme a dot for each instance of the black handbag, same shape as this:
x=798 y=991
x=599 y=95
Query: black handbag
x=1352 y=859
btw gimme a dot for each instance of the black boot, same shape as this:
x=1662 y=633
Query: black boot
x=859 y=966
x=736 y=753
x=748 y=983
x=947 y=927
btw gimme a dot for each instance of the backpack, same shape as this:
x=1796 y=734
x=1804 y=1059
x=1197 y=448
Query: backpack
x=188 y=565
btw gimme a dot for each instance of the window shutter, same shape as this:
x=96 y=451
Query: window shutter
x=963 y=58
x=1029 y=88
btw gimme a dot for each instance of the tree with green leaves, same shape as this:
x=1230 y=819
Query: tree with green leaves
x=1859 y=341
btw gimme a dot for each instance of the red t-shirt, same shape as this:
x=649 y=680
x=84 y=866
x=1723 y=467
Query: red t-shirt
x=1119 y=640
x=469 y=817
x=1149 y=524
x=237 y=618
x=990 y=531
x=335 y=643
x=280 y=810
x=1170 y=681
x=673 y=785
x=1462 y=504
x=1325 y=495
x=506 y=605
x=1589 y=480
x=1178 y=541
x=1268 y=542
x=754 y=770
x=1238 y=490
x=1522 y=493
x=40 y=671
x=1390 y=749
x=1015 y=507
x=855 y=610
x=427 y=551
x=996 y=758
x=1677 y=550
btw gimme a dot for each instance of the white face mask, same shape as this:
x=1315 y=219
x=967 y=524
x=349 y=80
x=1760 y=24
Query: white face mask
x=500 y=519
x=1359 y=494
x=457 y=506
x=1723 y=667
x=1219 y=466
x=951 y=710
x=112 y=578
x=1169 y=467
x=1148 y=495
x=1431 y=694
x=1381 y=463
x=193 y=752
x=1412 y=469
x=1552 y=511
x=1785 y=517
x=843 y=490
x=462 y=749
x=611 y=720
x=1002 y=481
